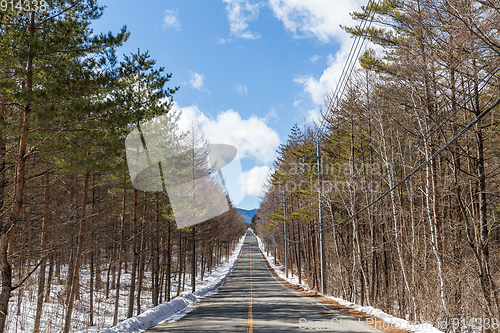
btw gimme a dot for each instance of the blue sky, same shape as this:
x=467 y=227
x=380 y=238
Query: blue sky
x=248 y=70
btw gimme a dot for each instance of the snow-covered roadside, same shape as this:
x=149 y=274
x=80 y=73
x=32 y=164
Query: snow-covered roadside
x=391 y=321
x=278 y=268
x=177 y=308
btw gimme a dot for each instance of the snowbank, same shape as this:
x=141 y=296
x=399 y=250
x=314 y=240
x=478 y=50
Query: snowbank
x=392 y=321
x=165 y=311
x=278 y=268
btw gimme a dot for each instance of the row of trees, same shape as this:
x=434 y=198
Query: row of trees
x=429 y=249
x=67 y=207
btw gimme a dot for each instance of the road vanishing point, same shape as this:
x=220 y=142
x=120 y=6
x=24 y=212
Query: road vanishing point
x=254 y=300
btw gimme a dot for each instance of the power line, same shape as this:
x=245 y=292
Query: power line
x=435 y=128
x=462 y=132
x=342 y=84
x=350 y=61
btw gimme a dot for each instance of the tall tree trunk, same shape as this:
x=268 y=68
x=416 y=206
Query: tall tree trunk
x=180 y=260
x=308 y=251
x=193 y=259
x=184 y=264
x=112 y=256
x=314 y=265
x=203 y=263
x=92 y=252
x=156 y=253
x=210 y=257
x=297 y=247
x=371 y=214
x=142 y=257
x=76 y=270
x=163 y=264
x=457 y=187
x=120 y=254
x=97 y=253
x=169 y=262
x=153 y=267
x=91 y=292
x=41 y=274
x=71 y=268
x=134 y=260
x=3 y=109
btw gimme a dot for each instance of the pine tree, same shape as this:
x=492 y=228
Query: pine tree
x=45 y=78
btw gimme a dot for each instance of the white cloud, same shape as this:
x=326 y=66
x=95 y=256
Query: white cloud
x=255 y=179
x=314 y=58
x=196 y=80
x=224 y=40
x=272 y=114
x=315 y=18
x=252 y=137
x=319 y=88
x=170 y=20
x=319 y=19
x=242 y=89
x=239 y=13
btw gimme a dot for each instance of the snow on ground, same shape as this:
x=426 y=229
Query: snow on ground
x=392 y=321
x=22 y=304
x=279 y=268
x=180 y=306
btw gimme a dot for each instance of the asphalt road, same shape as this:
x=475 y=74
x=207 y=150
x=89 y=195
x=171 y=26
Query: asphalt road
x=254 y=300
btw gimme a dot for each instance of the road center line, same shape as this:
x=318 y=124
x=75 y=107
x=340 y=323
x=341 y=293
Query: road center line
x=250 y=314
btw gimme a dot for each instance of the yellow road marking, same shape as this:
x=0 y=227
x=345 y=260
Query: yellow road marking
x=250 y=313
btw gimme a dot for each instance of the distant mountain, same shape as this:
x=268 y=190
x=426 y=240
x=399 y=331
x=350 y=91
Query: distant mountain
x=247 y=214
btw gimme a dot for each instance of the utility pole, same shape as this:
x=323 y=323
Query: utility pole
x=320 y=216
x=286 y=235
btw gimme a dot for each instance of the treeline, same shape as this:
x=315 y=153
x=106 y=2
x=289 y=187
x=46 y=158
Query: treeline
x=70 y=220
x=429 y=249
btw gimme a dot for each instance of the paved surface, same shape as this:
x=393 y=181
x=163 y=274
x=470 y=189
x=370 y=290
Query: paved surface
x=254 y=300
